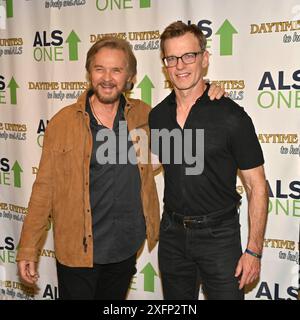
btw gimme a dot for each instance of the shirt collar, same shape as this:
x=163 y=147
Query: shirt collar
x=172 y=97
x=120 y=112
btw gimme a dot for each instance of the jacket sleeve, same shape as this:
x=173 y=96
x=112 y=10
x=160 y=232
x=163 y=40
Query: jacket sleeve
x=39 y=208
x=158 y=168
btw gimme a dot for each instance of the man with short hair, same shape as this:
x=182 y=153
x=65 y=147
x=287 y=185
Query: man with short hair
x=200 y=233
x=101 y=212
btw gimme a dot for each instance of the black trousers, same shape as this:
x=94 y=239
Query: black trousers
x=102 y=282
x=189 y=256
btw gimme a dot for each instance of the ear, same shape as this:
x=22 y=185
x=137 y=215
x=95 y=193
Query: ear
x=129 y=83
x=129 y=86
x=205 y=59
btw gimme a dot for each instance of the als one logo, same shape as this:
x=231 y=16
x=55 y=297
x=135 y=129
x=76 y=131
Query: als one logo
x=7 y=250
x=12 y=86
x=276 y=292
x=279 y=90
x=284 y=198
x=48 y=46
x=7 y=244
x=225 y=32
x=10 y=175
x=103 y=5
x=41 y=132
x=50 y=292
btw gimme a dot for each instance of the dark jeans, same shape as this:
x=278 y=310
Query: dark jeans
x=190 y=256
x=102 y=282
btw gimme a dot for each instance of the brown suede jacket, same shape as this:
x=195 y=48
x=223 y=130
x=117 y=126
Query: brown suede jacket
x=61 y=189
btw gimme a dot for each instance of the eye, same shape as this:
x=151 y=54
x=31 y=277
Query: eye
x=171 y=59
x=189 y=56
x=116 y=70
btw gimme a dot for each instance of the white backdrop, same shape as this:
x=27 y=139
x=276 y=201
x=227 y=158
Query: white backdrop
x=255 y=50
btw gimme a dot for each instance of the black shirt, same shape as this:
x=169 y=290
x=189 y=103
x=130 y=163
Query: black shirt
x=230 y=143
x=115 y=197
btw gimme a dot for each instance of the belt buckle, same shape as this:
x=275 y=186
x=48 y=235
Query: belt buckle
x=187 y=220
x=198 y=221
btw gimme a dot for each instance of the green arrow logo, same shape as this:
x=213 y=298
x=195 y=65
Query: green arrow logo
x=146 y=88
x=145 y=3
x=226 y=32
x=13 y=90
x=9 y=8
x=149 y=275
x=17 y=174
x=73 y=40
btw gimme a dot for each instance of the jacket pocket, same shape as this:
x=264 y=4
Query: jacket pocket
x=63 y=160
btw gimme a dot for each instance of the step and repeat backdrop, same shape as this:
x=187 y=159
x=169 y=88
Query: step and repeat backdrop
x=255 y=55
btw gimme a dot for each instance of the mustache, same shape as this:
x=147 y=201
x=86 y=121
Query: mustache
x=106 y=84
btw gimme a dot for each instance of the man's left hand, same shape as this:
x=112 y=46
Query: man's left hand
x=248 y=268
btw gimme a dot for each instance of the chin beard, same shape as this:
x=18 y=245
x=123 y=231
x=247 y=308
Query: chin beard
x=108 y=100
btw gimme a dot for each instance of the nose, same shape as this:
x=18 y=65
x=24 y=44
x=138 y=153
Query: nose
x=180 y=63
x=107 y=75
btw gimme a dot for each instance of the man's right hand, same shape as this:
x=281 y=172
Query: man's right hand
x=27 y=271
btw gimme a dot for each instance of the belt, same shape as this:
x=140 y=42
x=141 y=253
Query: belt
x=200 y=222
